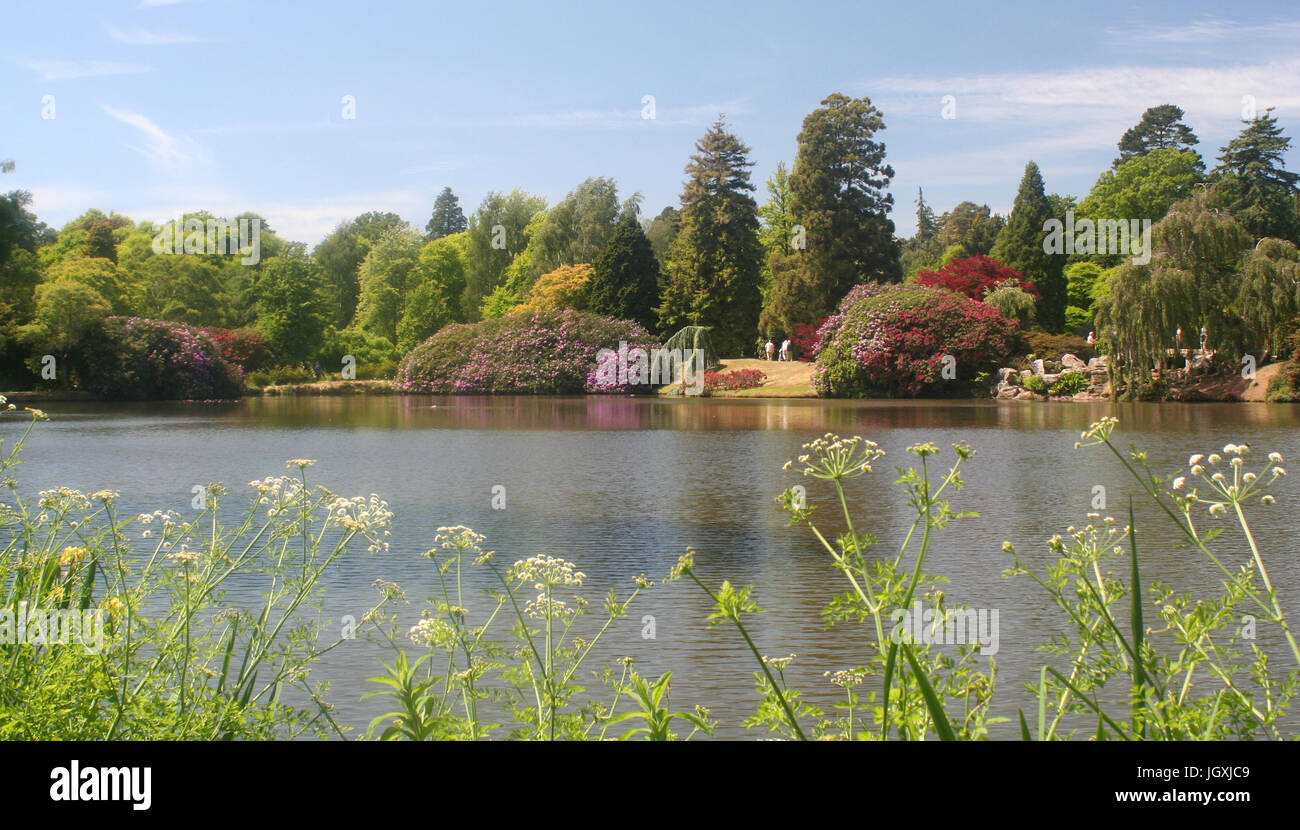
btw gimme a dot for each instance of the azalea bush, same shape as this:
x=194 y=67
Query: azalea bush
x=131 y=358
x=896 y=341
x=542 y=352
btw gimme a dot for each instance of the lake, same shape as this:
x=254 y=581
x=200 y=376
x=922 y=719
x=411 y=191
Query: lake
x=621 y=486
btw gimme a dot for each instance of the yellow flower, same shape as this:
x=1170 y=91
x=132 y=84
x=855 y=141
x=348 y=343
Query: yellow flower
x=114 y=606
x=71 y=556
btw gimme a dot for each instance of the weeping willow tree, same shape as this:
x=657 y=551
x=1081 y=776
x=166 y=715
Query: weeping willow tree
x=688 y=338
x=1192 y=280
x=1268 y=295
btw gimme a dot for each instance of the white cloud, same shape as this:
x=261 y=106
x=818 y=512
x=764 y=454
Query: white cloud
x=67 y=70
x=1206 y=30
x=1211 y=96
x=159 y=145
x=144 y=37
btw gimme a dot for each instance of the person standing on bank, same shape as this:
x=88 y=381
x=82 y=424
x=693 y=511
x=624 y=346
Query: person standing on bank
x=770 y=348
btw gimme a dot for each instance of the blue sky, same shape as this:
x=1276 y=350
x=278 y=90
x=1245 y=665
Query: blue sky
x=162 y=106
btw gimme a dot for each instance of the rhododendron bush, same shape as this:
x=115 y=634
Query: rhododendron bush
x=891 y=340
x=541 y=352
x=130 y=358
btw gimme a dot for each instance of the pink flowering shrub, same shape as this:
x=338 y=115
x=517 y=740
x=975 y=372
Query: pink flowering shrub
x=548 y=352
x=130 y=358
x=891 y=341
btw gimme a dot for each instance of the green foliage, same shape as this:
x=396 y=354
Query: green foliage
x=1035 y=384
x=1012 y=302
x=387 y=275
x=1144 y=187
x=447 y=217
x=974 y=227
x=1070 y=383
x=65 y=312
x=1161 y=128
x=496 y=236
x=1020 y=246
x=1254 y=183
x=694 y=338
x=625 y=282
x=715 y=268
x=1192 y=281
x=839 y=194
x=1053 y=347
x=365 y=348
x=168 y=658
x=340 y=256
x=293 y=308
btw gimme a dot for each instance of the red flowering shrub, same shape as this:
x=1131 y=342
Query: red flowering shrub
x=133 y=359
x=973 y=276
x=245 y=348
x=735 y=379
x=893 y=340
x=804 y=341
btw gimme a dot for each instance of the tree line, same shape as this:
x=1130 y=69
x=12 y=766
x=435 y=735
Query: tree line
x=717 y=259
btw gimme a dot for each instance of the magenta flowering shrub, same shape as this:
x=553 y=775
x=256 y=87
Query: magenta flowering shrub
x=130 y=358
x=891 y=341
x=550 y=352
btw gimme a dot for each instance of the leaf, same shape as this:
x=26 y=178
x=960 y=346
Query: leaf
x=940 y=717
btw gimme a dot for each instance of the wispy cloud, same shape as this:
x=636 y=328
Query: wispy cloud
x=603 y=119
x=1206 y=30
x=159 y=146
x=67 y=70
x=144 y=37
x=1211 y=96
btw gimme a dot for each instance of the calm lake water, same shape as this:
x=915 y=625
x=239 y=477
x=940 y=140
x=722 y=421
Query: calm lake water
x=622 y=485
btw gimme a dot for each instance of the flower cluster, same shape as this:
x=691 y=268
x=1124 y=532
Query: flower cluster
x=368 y=517
x=542 y=352
x=834 y=458
x=1228 y=479
x=460 y=540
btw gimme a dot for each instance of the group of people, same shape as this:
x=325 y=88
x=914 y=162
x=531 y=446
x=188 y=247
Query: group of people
x=770 y=348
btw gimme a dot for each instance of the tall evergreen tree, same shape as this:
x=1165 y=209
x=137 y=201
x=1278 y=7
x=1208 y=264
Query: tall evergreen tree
x=625 y=282
x=1020 y=246
x=1253 y=180
x=838 y=193
x=1161 y=128
x=926 y=226
x=447 y=217
x=776 y=215
x=715 y=267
